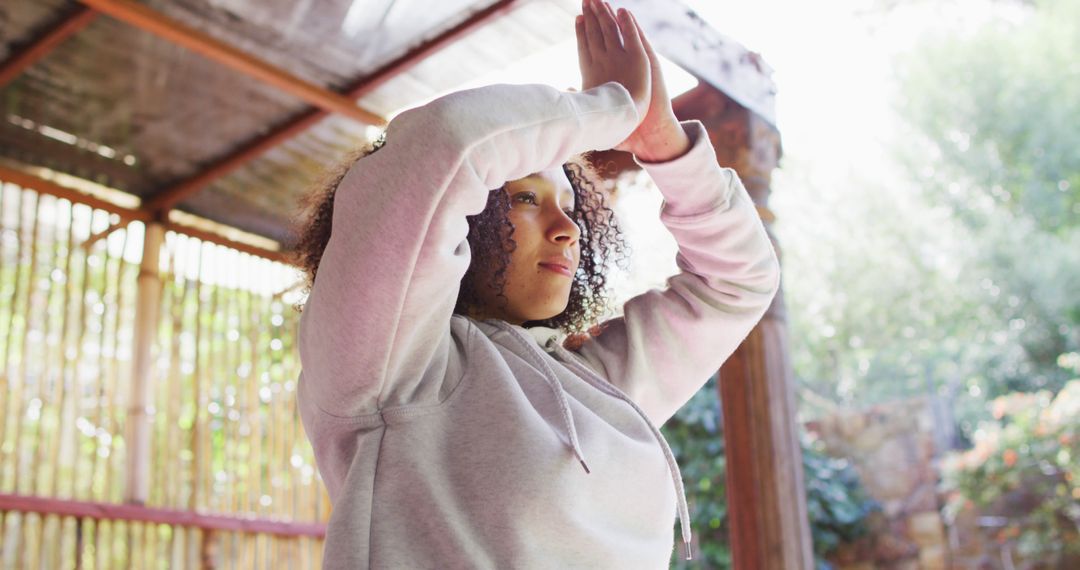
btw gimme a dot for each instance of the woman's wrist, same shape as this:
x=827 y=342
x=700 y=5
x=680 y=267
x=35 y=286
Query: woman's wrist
x=667 y=142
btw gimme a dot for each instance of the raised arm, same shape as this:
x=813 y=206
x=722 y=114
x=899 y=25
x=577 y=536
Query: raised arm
x=668 y=343
x=375 y=330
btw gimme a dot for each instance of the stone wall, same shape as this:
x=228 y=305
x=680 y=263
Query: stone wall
x=894 y=447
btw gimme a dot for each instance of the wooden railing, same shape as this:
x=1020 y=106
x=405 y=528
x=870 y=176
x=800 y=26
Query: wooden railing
x=106 y=535
x=90 y=458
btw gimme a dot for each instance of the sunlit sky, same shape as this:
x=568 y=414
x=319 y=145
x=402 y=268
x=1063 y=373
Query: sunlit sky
x=834 y=66
x=831 y=68
x=832 y=62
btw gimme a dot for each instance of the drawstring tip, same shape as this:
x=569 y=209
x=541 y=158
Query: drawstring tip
x=584 y=465
x=686 y=549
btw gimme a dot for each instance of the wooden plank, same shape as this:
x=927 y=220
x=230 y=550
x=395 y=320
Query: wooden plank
x=140 y=16
x=770 y=529
x=55 y=35
x=167 y=198
x=43 y=186
x=682 y=36
x=142 y=514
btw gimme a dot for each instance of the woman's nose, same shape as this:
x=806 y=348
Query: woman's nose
x=565 y=229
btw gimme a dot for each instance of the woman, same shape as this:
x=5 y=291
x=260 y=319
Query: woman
x=450 y=431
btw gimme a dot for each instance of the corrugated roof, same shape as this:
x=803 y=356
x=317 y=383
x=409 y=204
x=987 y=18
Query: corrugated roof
x=126 y=108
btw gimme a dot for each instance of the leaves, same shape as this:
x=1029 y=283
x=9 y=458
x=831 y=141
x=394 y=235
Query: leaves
x=836 y=502
x=1022 y=468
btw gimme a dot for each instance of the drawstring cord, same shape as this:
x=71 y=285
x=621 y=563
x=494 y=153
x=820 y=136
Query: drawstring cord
x=604 y=385
x=673 y=465
x=560 y=397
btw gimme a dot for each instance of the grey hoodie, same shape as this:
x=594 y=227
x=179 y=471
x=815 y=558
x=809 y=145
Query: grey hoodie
x=446 y=442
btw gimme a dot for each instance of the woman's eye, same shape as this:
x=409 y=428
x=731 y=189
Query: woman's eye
x=525 y=197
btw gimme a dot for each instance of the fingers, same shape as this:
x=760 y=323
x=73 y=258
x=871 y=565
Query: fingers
x=653 y=60
x=602 y=29
x=584 y=57
x=608 y=26
x=610 y=49
x=630 y=32
x=593 y=33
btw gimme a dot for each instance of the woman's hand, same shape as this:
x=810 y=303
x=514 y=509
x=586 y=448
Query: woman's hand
x=614 y=48
x=659 y=137
x=609 y=49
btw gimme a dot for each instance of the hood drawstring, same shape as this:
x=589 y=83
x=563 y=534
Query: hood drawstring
x=552 y=345
x=558 y=391
x=673 y=466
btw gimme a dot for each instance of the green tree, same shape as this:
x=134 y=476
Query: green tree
x=958 y=275
x=998 y=108
x=992 y=116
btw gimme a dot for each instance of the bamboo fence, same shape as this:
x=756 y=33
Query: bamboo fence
x=227 y=451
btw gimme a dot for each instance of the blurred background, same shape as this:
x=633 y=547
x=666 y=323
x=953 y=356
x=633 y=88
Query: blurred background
x=912 y=399
x=927 y=209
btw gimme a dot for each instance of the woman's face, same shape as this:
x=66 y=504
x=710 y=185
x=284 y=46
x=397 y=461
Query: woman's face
x=543 y=264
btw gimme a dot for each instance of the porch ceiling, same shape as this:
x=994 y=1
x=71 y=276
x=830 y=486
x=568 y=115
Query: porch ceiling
x=124 y=107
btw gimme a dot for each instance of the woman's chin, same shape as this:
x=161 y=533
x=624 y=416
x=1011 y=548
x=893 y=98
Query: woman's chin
x=550 y=313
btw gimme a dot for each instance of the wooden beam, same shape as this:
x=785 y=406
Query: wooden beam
x=682 y=36
x=174 y=517
x=770 y=529
x=43 y=186
x=169 y=197
x=79 y=18
x=96 y=237
x=27 y=180
x=268 y=254
x=146 y=19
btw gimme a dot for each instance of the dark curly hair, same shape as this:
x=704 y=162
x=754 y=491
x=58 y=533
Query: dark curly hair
x=491 y=243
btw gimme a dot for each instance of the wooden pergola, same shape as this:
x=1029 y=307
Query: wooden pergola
x=734 y=100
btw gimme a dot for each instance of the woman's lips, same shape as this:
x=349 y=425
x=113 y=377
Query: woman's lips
x=557 y=269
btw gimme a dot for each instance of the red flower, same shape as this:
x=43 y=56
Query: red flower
x=1010 y=457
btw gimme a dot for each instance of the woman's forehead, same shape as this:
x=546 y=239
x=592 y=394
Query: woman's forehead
x=553 y=178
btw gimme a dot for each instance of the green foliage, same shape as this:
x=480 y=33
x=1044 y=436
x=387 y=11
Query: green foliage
x=956 y=278
x=698 y=444
x=1023 y=468
x=835 y=499
x=999 y=108
x=993 y=115
x=836 y=503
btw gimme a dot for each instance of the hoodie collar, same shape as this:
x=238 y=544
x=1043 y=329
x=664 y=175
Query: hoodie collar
x=551 y=341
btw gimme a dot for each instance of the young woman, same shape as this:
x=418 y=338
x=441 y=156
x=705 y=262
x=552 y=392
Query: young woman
x=450 y=430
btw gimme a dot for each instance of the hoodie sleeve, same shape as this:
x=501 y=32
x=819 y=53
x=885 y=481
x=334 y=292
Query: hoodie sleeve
x=669 y=342
x=375 y=330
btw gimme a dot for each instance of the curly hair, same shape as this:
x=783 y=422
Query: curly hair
x=491 y=243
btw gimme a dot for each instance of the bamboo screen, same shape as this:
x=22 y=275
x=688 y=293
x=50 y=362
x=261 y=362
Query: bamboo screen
x=226 y=436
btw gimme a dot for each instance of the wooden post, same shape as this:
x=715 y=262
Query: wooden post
x=765 y=487
x=139 y=424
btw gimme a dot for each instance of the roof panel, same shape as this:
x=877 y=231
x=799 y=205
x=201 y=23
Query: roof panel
x=285 y=173
x=20 y=22
x=126 y=108
x=140 y=95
